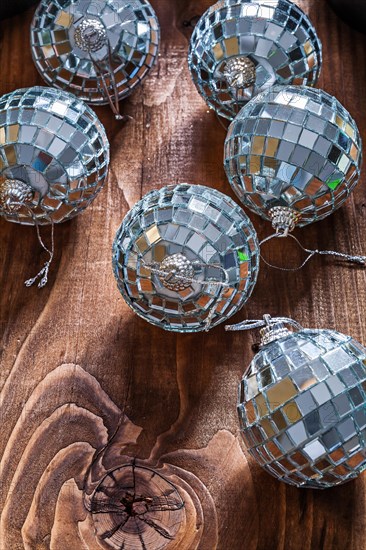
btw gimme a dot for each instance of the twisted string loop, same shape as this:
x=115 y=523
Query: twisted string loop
x=361 y=260
x=267 y=321
x=43 y=273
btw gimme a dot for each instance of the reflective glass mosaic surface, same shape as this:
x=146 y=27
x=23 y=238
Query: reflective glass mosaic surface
x=275 y=35
x=54 y=143
x=293 y=146
x=302 y=408
x=214 y=241
x=124 y=35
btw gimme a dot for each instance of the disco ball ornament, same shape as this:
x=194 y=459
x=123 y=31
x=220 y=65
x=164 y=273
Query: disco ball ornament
x=54 y=156
x=302 y=405
x=100 y=50
x=240 y=48
x=293 y=155
x=186 y=258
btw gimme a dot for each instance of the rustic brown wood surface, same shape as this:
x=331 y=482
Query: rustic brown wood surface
x=79 y=369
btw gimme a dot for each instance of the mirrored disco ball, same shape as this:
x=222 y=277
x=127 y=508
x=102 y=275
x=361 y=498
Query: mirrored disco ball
x=302 y=408
x=174 y=250
x=241 y=47
x=54 y=156
x=85 y=45
x=293 y=147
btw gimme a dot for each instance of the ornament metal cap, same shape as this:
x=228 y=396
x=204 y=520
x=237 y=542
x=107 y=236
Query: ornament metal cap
x=274 y=330
x=179 y=272
x=90 y=35
x=240 y=72
x=284 y=219
x=14 y=194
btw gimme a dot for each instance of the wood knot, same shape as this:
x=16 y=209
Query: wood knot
x=135 y=507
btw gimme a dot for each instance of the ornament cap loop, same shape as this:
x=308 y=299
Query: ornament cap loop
x=240 y=72
x=272 y=328
x=90 y=35
x=284 y=219
x=13 y=193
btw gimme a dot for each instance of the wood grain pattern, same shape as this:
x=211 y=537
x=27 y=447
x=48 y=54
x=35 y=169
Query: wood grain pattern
x=87 y=386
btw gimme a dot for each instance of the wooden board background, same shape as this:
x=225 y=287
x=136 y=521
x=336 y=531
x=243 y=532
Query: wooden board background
x=77 y=366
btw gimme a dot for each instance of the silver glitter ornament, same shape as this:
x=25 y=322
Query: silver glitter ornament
x=302 y=404
x=240 y=48
x=186 y=258
x=100 y=50
x=54 y=156
x=293 y=155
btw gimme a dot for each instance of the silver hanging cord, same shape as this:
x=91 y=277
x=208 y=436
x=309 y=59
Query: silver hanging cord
x=156 y=270
x=222 y=123
x=108 y=71
x=45 y=270
x=267 y=321
x=244 y=73
x=311 y=253
x=226 y=125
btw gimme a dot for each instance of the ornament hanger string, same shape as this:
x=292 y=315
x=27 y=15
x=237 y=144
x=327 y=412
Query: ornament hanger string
x=154 y=268
x=267 y=321
x=221 y=122
x=228 y=122
x=108 y=71
x=237 y=106
x=44 y=271
x=311 y=253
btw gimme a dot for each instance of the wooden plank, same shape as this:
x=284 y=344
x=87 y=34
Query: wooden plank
x=79 y=368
